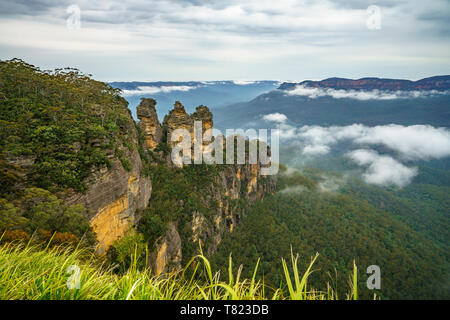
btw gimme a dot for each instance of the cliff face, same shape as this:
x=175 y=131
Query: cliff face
x=233 y=190
x=114 y=194
x=168 y=251
x=225 y=196
x=228 y=197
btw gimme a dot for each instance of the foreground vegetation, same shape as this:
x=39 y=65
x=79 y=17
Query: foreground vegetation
x=33 y=272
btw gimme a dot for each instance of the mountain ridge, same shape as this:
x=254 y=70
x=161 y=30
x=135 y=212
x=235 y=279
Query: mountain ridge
x=440 y=83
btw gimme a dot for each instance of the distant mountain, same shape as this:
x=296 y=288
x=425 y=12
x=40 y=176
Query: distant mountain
x=215 y=94
x=439 y=83
x=337 y=101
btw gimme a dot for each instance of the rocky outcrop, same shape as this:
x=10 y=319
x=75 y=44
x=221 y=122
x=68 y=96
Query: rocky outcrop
x=177 y=119
x=233 y=191
x=167 y=252
x=112 y=221
x=205 y=116
x=149 y=123
x=225 y=197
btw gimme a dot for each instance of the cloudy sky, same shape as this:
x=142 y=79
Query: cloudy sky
x=403 y=146
x=240 y=40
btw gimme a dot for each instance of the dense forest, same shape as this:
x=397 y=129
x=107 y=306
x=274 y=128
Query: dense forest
x=424 y=207
x=55 y=127
x=342 y=227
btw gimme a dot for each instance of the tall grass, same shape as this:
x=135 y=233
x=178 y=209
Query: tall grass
x=32 y=272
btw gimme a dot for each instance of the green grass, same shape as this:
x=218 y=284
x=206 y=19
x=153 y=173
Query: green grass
x=32 y=272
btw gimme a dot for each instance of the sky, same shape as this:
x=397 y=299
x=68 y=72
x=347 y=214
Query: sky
x=183 y=40
x=402 y=147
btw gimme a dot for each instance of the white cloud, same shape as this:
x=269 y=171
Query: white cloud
x=405 y=143
x=244 y=82
x=316 y=135
x=326 y=183
x=330 y=183
x=275 y=117
x=289 y=171
x=235 y=39
x=382 y=170
x=156 y=89
x=416 y=142
x=294 y=189
x=313 y=93
x=287 y=131
x=316 y=150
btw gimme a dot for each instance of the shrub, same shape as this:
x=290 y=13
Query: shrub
x=129 y=250
x=15 y=235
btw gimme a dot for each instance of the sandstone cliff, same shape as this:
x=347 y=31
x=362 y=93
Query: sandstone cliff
x=114 y=194
x=224 y=196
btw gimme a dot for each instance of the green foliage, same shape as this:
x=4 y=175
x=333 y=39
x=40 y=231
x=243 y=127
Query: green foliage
x=342 y=228
x=423 y=207
x=34 y=273
x=297 y=292
x=10 y=216
x=10 y=174
x=63 y=119
x=176 y=194
x=39 y=209
x=151 y=226
x=126 y=164
x=129 y=250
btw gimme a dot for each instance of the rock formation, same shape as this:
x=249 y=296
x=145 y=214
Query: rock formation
x=227 y=196
x=149 y=123
x=115 y=195
x=168 y=251
x=177 y=119
x=76 y=143
x=203 y=114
